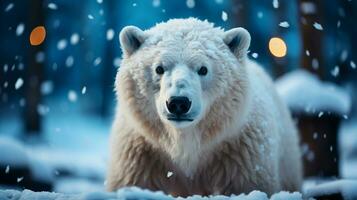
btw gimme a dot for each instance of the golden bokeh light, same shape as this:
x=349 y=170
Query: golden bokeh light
x=277 y=47
x=38 y=35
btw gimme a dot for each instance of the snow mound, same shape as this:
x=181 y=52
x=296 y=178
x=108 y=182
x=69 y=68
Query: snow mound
x=347 y=188
x=303 y=91
x=12 y=152
x=135 y=193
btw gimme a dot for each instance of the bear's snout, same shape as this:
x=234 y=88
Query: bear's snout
x=178 y=105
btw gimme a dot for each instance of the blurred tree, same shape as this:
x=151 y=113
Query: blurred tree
x=311 y=55
x=34 y=73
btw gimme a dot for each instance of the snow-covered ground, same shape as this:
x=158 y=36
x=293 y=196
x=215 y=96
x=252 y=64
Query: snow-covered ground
x=71 y=154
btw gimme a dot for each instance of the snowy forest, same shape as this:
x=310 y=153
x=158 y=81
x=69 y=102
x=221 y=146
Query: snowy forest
x=59 y=60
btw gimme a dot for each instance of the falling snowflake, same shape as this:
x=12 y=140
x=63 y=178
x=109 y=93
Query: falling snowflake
x=110 y=34
x=315 y=136
x=307 y=52
x=7 y=170
x=90 y=16
x=169 y=174
x=224 y=16
x=255 y=55
x=344 y=55
x=84 y=89
x=284 y=24
x=74 y=38
x=275 y=3
x=20 y=29
x=69 y=61
x=156 y=3
x=345 y=116
x=40 y=57
x=6 y=67
x=336 y=71
x=116 y=62
x=190 y=3
x=19 y=179
x=52 y=6
x=42 y=109
x=46 y=87
x=320 y=114
x=315 y=63
x=72 y=96
x=19 y=83
x=99 y=1
x=318 y=26
x=97 y=61
x=260 y=14
x=338 y=24
x=9 y=7
x=353 y=65
x=134 y=4
x=62 y=44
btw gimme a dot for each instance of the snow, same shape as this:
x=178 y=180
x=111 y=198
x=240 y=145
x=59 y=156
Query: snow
x=84 y=89
x=12 y=153
x=46 y=87
x=156 y=3
x=90 y=16
x=19 y=83
x=315 y=63
x=110 y=34
x=135 y=193
x=353 y=64
x=72 y=96
x=317 y=26
x=40 y=57
x=190 y=3
x=52 y=6
x=283 y=195
x=9 y=7
x=335 y=71
x=224 y=16
x=74 y=38
x=20 y=29
x=117 y=61
x=169 y=174
x=97 y=61
x=69 y=61
x=62 y=44
x=284 y=24
x=255 y=55
x=305 y=92
x=275 y=4
x=346 y=187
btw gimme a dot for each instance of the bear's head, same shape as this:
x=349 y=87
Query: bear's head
x=184 y=76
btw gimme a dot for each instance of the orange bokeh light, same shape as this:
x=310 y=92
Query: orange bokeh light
x=38 y=35
x=277 y=47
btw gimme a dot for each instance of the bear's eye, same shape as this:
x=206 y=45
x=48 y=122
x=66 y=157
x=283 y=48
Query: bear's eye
x=159 y=70
x=202 y=71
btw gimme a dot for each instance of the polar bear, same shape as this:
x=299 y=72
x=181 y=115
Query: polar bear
x=196 y=116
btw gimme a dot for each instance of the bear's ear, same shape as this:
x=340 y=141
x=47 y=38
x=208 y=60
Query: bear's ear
x=238 y=41
x=131 y=38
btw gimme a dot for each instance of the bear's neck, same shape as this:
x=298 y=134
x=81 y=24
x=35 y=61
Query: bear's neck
x=185 y=149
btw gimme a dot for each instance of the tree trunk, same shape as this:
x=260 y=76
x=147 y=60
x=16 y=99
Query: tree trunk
x=34 y=73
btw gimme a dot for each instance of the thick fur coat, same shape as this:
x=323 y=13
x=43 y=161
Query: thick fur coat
x=242 y=137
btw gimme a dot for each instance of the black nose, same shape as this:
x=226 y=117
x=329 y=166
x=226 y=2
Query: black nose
x=178 y=105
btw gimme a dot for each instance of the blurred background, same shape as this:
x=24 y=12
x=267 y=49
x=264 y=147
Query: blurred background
x=59 y=59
